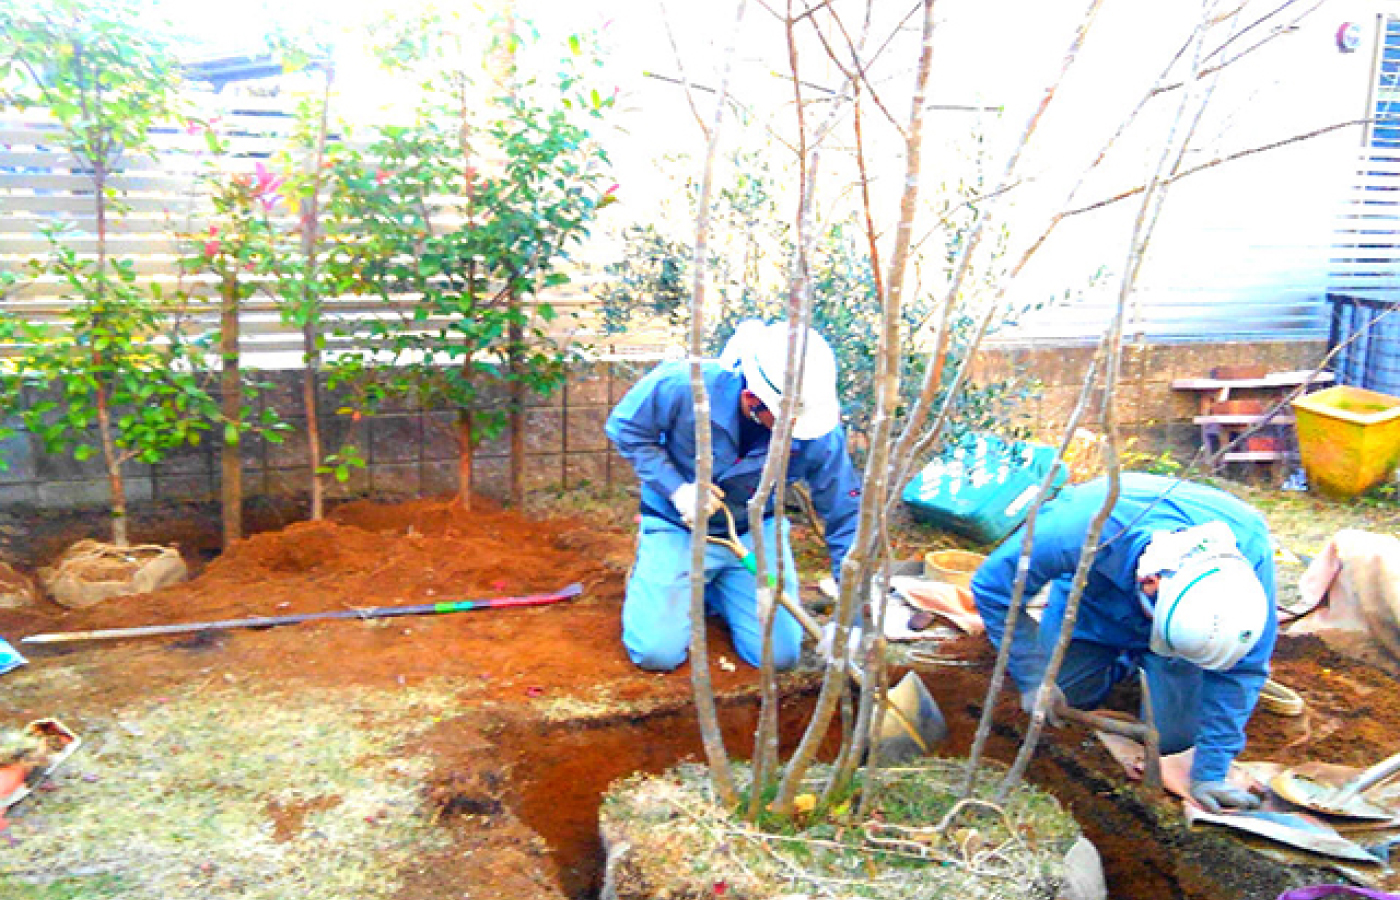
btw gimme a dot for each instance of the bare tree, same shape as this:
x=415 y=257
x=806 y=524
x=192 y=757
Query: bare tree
x=900 y=443
x=721 y=775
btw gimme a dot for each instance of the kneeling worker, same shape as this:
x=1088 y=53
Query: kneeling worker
x=1182 y=586
x=653 y=427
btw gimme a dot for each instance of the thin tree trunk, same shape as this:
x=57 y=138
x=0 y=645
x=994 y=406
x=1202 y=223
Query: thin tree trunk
x=721 y=774
x=1018 y=589
x=465 y=452
x=774 y=477
x=309 y=379
x=501 y=66
x=231 y=389
x=115 y=483
x=1143 y=227
x=311 y=309
x=516 y=337
x=854 y=569
x=905 y=451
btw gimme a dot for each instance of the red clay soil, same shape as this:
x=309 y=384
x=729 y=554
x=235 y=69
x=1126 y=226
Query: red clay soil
x=512 y=661
x=368 y=554
x=520 y=792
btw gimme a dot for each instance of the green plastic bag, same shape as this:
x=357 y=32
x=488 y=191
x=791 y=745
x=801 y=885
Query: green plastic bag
x=982 y=488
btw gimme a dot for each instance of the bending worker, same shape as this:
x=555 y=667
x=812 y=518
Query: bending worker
x=654 y=428
x=1182 y=586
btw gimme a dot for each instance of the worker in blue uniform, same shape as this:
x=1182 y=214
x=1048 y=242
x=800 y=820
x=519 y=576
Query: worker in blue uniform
x=653 y=427
x=1181 y=586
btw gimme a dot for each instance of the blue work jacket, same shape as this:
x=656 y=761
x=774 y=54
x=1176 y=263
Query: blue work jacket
x=1110 y=612
x=653 y=427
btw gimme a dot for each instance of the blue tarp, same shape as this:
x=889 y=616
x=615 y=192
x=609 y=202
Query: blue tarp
x=9 y=657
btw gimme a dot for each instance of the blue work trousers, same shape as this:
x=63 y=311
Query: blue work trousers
x=1090 y=670
x=656 y=613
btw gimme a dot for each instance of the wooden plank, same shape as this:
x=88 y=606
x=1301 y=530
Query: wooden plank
x=1257 y=456
x=1273 y=379
x=20 y=246
x=147 y=225
x=1241 y=419
x=240 y=158
x=65 y=182
x=139 y=205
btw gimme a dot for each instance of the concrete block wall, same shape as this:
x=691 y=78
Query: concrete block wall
x=412 y=452
x=1149 y=412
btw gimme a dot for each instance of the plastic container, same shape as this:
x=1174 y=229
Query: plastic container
x=952 y=566
x=982 y=488
x=1349 y=438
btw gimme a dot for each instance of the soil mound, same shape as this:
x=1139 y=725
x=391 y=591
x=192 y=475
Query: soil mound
x=394 y=554
x=374 y=554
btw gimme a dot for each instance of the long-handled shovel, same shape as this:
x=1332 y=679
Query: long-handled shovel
x=914 y=724
x=372 y=612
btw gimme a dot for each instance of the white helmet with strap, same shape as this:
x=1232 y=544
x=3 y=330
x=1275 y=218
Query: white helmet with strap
x=763 y=360
x=1211 y=609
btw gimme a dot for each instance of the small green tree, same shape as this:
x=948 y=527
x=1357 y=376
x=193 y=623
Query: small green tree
x=111 y=368
x=306 y=283
x=457 y=221
x=240 y=252
x=106 y=81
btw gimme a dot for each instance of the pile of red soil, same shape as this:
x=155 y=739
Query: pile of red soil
x=369 y=554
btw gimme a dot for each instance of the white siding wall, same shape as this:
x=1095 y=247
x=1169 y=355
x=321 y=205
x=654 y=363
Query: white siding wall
x=1242 y=250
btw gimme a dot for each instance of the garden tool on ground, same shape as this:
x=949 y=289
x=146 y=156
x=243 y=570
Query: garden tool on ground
x=913 y=724
x=372 y=612
x=1144 y=732
x=1346 y=800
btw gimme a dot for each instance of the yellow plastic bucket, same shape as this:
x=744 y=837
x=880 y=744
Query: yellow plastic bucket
x=952 y=566
x=1349 y=438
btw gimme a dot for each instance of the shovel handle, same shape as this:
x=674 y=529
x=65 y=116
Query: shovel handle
x=810 y=625
x=1367 y=779
x=1135 y=730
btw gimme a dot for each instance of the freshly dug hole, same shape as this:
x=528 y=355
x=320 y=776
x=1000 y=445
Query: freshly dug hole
x=666 y=836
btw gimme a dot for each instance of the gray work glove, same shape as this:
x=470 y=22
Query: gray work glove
x=1219 y=796
x=1054 y=703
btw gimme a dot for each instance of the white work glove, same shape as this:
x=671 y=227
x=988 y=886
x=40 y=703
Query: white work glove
x=1054 y=704
x=1220 y=796
x=852 y=645
x=686 y=498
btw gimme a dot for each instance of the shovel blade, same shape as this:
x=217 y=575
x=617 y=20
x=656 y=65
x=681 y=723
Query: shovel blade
x=912 y=725
x=1300 y=790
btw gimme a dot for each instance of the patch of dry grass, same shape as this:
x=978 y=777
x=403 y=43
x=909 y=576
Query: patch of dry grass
x=670 y=838
x=179 y=798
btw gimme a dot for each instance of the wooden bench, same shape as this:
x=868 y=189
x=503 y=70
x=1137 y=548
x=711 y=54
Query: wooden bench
x=1218 y=430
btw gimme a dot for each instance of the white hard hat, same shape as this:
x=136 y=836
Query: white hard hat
x=1210 y=612
x=746 y=334
x=764 y=362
